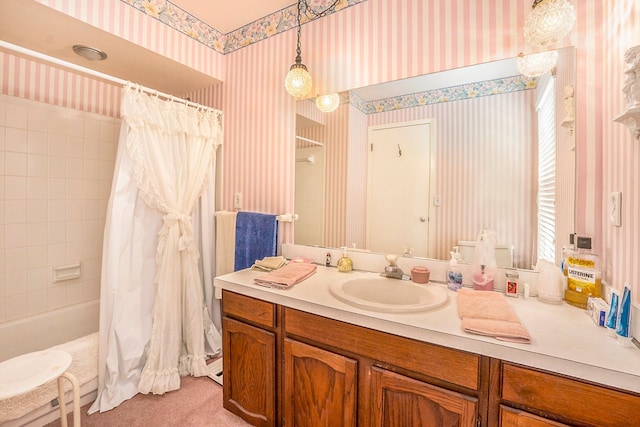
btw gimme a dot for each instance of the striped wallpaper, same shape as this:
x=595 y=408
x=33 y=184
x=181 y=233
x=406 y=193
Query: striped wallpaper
x=477 y=142
x=619 y=153
x=28 y=79
x=335 y=137
x=376 y=41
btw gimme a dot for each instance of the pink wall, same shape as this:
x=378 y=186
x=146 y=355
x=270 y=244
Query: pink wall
x=28 y=79
x=380 y=40
x=472 y=140
x=620 y=153
x=477 y=142
x=334 y=134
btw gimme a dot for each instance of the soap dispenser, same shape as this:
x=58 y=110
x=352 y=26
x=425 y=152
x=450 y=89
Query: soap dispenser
x=345 y=264
x=454 y=275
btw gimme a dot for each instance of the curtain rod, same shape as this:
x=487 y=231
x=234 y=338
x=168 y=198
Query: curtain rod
x=98 y=74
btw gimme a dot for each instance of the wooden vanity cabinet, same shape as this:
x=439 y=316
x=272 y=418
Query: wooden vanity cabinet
x=285 y=367
x=400 y=382
x=531 y=398
x=249 y=342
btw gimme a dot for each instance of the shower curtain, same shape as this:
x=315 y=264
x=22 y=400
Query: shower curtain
x=154 y=321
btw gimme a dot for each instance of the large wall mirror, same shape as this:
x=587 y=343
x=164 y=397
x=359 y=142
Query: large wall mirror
x=475 y=139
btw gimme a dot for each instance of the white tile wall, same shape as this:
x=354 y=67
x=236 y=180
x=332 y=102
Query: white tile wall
x=56 y=166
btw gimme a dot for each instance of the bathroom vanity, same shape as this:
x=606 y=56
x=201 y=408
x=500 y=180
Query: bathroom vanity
x=302 y=357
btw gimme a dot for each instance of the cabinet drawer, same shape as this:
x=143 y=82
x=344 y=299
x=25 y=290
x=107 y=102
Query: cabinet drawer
x=453 y=366
x=510 y=417
x=569 y=398
x=246 y=308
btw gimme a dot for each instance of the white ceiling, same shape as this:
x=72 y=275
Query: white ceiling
x=228 y=15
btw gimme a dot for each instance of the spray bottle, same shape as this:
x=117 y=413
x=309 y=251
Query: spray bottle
x=483 y=266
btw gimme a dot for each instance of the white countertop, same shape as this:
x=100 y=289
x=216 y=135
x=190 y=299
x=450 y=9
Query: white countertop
x=564 y=339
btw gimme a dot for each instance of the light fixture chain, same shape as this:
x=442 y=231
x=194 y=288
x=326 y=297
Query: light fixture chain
x=309 y=10
x=298 y=50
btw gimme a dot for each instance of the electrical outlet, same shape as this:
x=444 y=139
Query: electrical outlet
x=237 y=201
x=615 y=213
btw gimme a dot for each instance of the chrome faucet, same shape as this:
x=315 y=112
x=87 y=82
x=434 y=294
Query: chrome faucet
x=392 y=271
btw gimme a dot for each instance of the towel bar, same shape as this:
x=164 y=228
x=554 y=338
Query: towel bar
x=287 y=217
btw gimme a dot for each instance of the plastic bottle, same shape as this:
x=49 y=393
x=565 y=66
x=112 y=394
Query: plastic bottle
x=345 y=264
x=584 y=279
x=454 y=275
x=483 y=266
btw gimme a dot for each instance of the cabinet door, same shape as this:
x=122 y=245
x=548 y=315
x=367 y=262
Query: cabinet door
x=319 y=387
x=249 y=372
x=397 y=400
x=510 y=417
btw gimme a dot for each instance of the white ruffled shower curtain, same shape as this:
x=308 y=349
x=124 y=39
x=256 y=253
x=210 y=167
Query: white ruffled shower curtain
x=154 y=321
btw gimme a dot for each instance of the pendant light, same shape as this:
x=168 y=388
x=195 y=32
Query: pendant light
x=536 y=64
x=549 y=22
x=298 y=81
x=328 y=103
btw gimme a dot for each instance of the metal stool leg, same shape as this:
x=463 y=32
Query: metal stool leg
x=76 y=399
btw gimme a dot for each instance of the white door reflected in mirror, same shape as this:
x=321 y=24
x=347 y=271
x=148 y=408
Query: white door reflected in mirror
x=398 y=187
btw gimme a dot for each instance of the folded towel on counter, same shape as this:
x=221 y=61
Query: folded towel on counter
x=287 y=276
x=489 y=313
x=269 y=263
x=256 y=238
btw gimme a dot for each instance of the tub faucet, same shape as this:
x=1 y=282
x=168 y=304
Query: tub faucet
x=392 y=271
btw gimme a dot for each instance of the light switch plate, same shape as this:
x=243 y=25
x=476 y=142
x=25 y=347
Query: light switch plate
x=237 y=201
x=615 y=211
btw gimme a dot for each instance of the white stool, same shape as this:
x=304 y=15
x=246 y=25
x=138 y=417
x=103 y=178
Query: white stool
x=28 y=371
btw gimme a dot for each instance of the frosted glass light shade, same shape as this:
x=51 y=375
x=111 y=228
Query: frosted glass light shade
x=549 y=22
x=537 y=64
x=328 y=103
x=298 y=81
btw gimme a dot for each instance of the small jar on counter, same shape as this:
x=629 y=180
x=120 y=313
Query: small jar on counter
x=512 y=282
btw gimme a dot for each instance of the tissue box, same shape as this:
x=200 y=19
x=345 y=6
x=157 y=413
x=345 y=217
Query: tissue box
x=597 y=309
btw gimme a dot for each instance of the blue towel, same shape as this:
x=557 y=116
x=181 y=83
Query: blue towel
x=256 y=238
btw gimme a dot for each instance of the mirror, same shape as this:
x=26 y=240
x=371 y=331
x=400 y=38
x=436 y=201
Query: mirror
x=482 y=164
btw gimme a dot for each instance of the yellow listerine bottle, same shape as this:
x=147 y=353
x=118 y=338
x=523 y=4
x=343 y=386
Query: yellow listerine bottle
x=583 y=275
x=345 y=264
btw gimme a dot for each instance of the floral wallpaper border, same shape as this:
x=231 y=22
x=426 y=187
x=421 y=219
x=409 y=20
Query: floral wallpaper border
x=278 y=22
x=436 y=96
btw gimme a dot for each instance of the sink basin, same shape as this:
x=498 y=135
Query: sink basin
x=389 y=295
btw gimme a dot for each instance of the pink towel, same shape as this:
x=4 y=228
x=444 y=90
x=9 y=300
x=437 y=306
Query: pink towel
x=287 y=276
x=489 y=313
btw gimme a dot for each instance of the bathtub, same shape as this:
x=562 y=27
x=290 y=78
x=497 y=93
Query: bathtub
x=73 y=329
x=48 y=329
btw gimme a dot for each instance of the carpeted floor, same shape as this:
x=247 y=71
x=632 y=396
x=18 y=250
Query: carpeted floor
x=198 y=402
